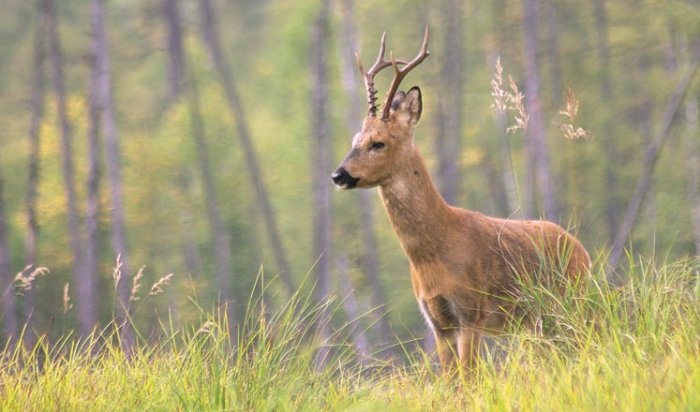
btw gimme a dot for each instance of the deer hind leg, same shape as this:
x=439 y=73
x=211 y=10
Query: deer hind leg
x=468 y=345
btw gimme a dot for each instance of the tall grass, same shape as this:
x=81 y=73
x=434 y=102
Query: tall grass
x=633 y=347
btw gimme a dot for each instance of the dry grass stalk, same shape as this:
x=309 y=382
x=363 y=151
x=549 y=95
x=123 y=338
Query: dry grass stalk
x=157 y=287
x=67 y=305
x=500 y=96
x=24 y=280
x=136 y=285
x=117 y=273
x=570 y=131
x=504 y=100
x=521 y=117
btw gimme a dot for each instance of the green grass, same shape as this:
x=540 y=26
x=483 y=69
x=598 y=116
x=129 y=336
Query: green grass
x=634 y=347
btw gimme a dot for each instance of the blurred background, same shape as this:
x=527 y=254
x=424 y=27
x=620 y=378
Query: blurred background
x=196 y=138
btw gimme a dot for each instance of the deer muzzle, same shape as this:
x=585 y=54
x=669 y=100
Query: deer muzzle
x=343 y=179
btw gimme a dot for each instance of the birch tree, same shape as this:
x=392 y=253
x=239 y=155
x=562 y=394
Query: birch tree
x=321 y=151
x=33 y=163
x=66 y=132
x=113 y=163
x=8 y=316
x=692 y=144
x=451 y=103
x=211 y=42
x=370 y=257
x=537 y=146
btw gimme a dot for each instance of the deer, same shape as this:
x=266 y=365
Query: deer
x=464 y=266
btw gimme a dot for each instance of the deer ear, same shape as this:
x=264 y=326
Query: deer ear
x=407 y=107
x=396 y=101
x=414 y=99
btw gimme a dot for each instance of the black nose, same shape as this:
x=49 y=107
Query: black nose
x=343 y=179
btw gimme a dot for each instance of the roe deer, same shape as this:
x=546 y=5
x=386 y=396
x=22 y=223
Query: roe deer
x=464 y=265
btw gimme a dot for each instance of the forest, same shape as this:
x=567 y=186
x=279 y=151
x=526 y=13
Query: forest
x=163 y=161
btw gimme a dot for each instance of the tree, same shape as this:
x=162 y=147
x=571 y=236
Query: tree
x=611 y=150
x=211 y=42
x=7 y=291
x=86 y=286
x=220 y=238
x=36 y=117
x=176 y=82
x=321 y=151
x=693 y=164
x=510 y=198
x=651 y=156
x=370 y=258
x=553 y=33
x=537 y=146
x=351 y=306
x=450 y=104
x=66 y=131
x=176 y=59
x=320 y=165
x=113 y=162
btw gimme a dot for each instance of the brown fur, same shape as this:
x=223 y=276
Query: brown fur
x=464 y=265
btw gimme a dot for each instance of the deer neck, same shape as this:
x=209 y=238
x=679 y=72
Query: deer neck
x=419 y=215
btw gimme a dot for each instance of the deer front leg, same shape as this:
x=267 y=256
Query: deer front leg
x=468 y=344
x=445 y=351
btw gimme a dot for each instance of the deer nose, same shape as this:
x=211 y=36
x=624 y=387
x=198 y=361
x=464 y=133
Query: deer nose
x=343 y=179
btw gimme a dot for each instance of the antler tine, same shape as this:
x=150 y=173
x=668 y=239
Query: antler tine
x=380 y=63
x=399 y=74
x=368 y=76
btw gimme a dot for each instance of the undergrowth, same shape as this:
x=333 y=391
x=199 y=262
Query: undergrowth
x=598 y=347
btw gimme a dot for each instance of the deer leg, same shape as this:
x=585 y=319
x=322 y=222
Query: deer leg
x=468 y=343
x=446 y=352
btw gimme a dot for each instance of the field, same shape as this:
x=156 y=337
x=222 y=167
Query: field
x=632 y=347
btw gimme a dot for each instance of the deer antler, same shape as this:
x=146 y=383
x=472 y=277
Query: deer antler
x=378 y=65
x=399 y=74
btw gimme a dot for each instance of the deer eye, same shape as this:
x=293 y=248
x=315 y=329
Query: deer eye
x=376 y=146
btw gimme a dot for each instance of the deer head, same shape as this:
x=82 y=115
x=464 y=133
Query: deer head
x=381 y=146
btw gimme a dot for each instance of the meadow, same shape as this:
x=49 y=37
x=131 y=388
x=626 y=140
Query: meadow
x=629 y=347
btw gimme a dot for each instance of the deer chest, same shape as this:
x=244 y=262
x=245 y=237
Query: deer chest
x=445 y=316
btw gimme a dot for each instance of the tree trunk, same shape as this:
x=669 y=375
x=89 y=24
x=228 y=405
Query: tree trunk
x=651 y=155
x=8 y=316
x=320 y=165
x=176 y=82
x=537 y=147
x=113 y=163
x=37 y=116
x=192 y=257
x=510 y=198
x=220 y=238
x=66 y=139
x=211 y=42
x=370 y=258
x=692 y=144
x=612 y=204
x=351 y=308
x=553 y=50
x=449 y=141
x=512 y=203
x=176 y=60
x=321 y=151
x=86 y=287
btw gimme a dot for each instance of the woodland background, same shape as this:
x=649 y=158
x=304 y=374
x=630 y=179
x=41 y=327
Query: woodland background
x=197 y=137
